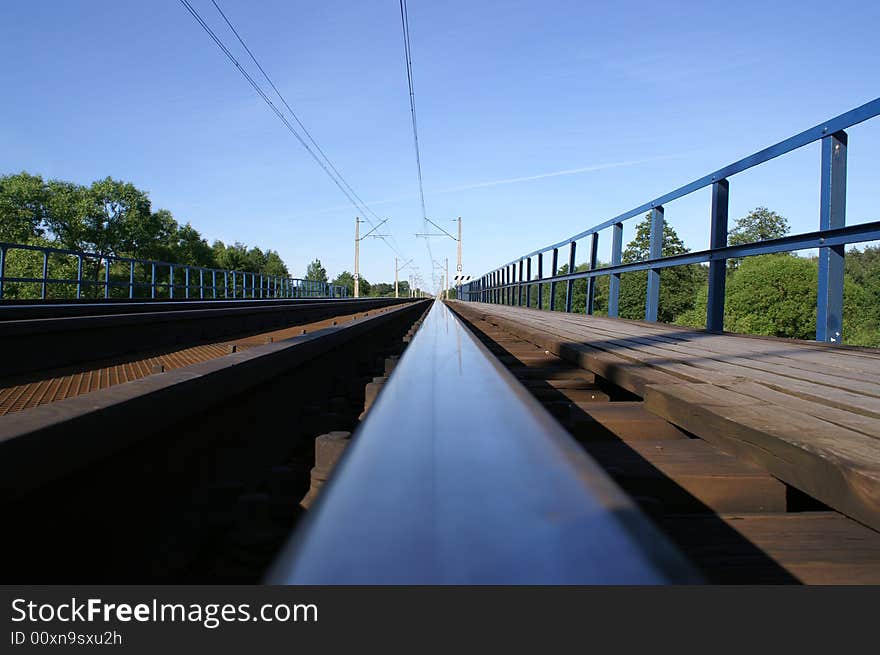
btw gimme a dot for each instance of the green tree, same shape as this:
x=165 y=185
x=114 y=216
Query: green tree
x=188 y=247
x=23 y=207
x=346 y=279
x=316 y=271
x=760 y=224
x=679 y=285
x=382 y=290
x=256 y=260
x=863 y=317
x=67 y=206
x=233 y=257
x=775 y=295
x=275 y=265
x=118 y=219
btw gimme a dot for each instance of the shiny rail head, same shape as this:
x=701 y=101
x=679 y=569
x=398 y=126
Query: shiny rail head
x=459 y=476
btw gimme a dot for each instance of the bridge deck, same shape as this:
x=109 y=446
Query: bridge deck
x=808 y=413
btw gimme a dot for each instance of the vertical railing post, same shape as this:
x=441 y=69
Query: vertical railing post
x=616 y=258
x=511 y=281
x=832 y=214
x=171 y=280
x=503 y=273
x=540 y=303
x=504 y=285
x=717 y=267
x=186 y=281
x=569 y=285
x=152 y=278
x=214 y=284
x=233 y=285
x=201 y=284
x=529 y=282
x=2 y=269
x=106 y=277
x=591 y=282
x=652 y=301
x=131 y=279
x=261 y=286
x=519 y=285
x=554 y=269
x=45 y=275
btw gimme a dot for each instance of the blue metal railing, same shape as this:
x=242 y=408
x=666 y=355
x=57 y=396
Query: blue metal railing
x=507 y=283
x=198 y=282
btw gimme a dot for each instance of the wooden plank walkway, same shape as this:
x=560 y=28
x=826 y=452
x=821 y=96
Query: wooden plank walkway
x=806 y=412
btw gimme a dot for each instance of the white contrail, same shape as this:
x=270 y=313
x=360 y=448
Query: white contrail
x=515 y=180
x=565 y=171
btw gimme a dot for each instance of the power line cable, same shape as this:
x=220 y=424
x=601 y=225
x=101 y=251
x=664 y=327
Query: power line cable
x=407 y=46
x=338 y=179
x=293 y=114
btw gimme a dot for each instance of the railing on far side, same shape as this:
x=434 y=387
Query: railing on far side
x=508 y=284
x=112 y=272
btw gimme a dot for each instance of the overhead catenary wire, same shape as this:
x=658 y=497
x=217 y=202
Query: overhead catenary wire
x=323 y=160
x=407 y=45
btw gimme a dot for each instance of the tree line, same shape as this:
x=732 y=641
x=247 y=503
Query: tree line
x=113 y=217
x=771 y=295
x=316 y=271
x=107 y=217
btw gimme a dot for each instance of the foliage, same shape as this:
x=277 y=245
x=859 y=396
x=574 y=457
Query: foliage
x=679 y=285
x=108 y=217
x=760 y=224
x=22 y=207
x=316 y=271
x=772 y=295
x=346 y=279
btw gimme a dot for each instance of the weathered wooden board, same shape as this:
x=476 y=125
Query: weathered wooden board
x=808 y=547
x=838 y=466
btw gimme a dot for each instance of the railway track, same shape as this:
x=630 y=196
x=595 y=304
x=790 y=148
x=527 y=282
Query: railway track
x=36 y=339
x=34 y=388
x=192 y=472
x=732 y=519
x=309 y=443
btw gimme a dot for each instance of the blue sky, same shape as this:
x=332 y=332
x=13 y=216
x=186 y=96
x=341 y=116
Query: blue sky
x=536 y=119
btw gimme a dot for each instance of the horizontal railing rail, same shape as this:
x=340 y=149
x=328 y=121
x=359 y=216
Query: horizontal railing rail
x=508 y=284
x=197 y=281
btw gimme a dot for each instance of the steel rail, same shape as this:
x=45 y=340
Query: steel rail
x=49 y=342
x=53 y=440
x=459 y=476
